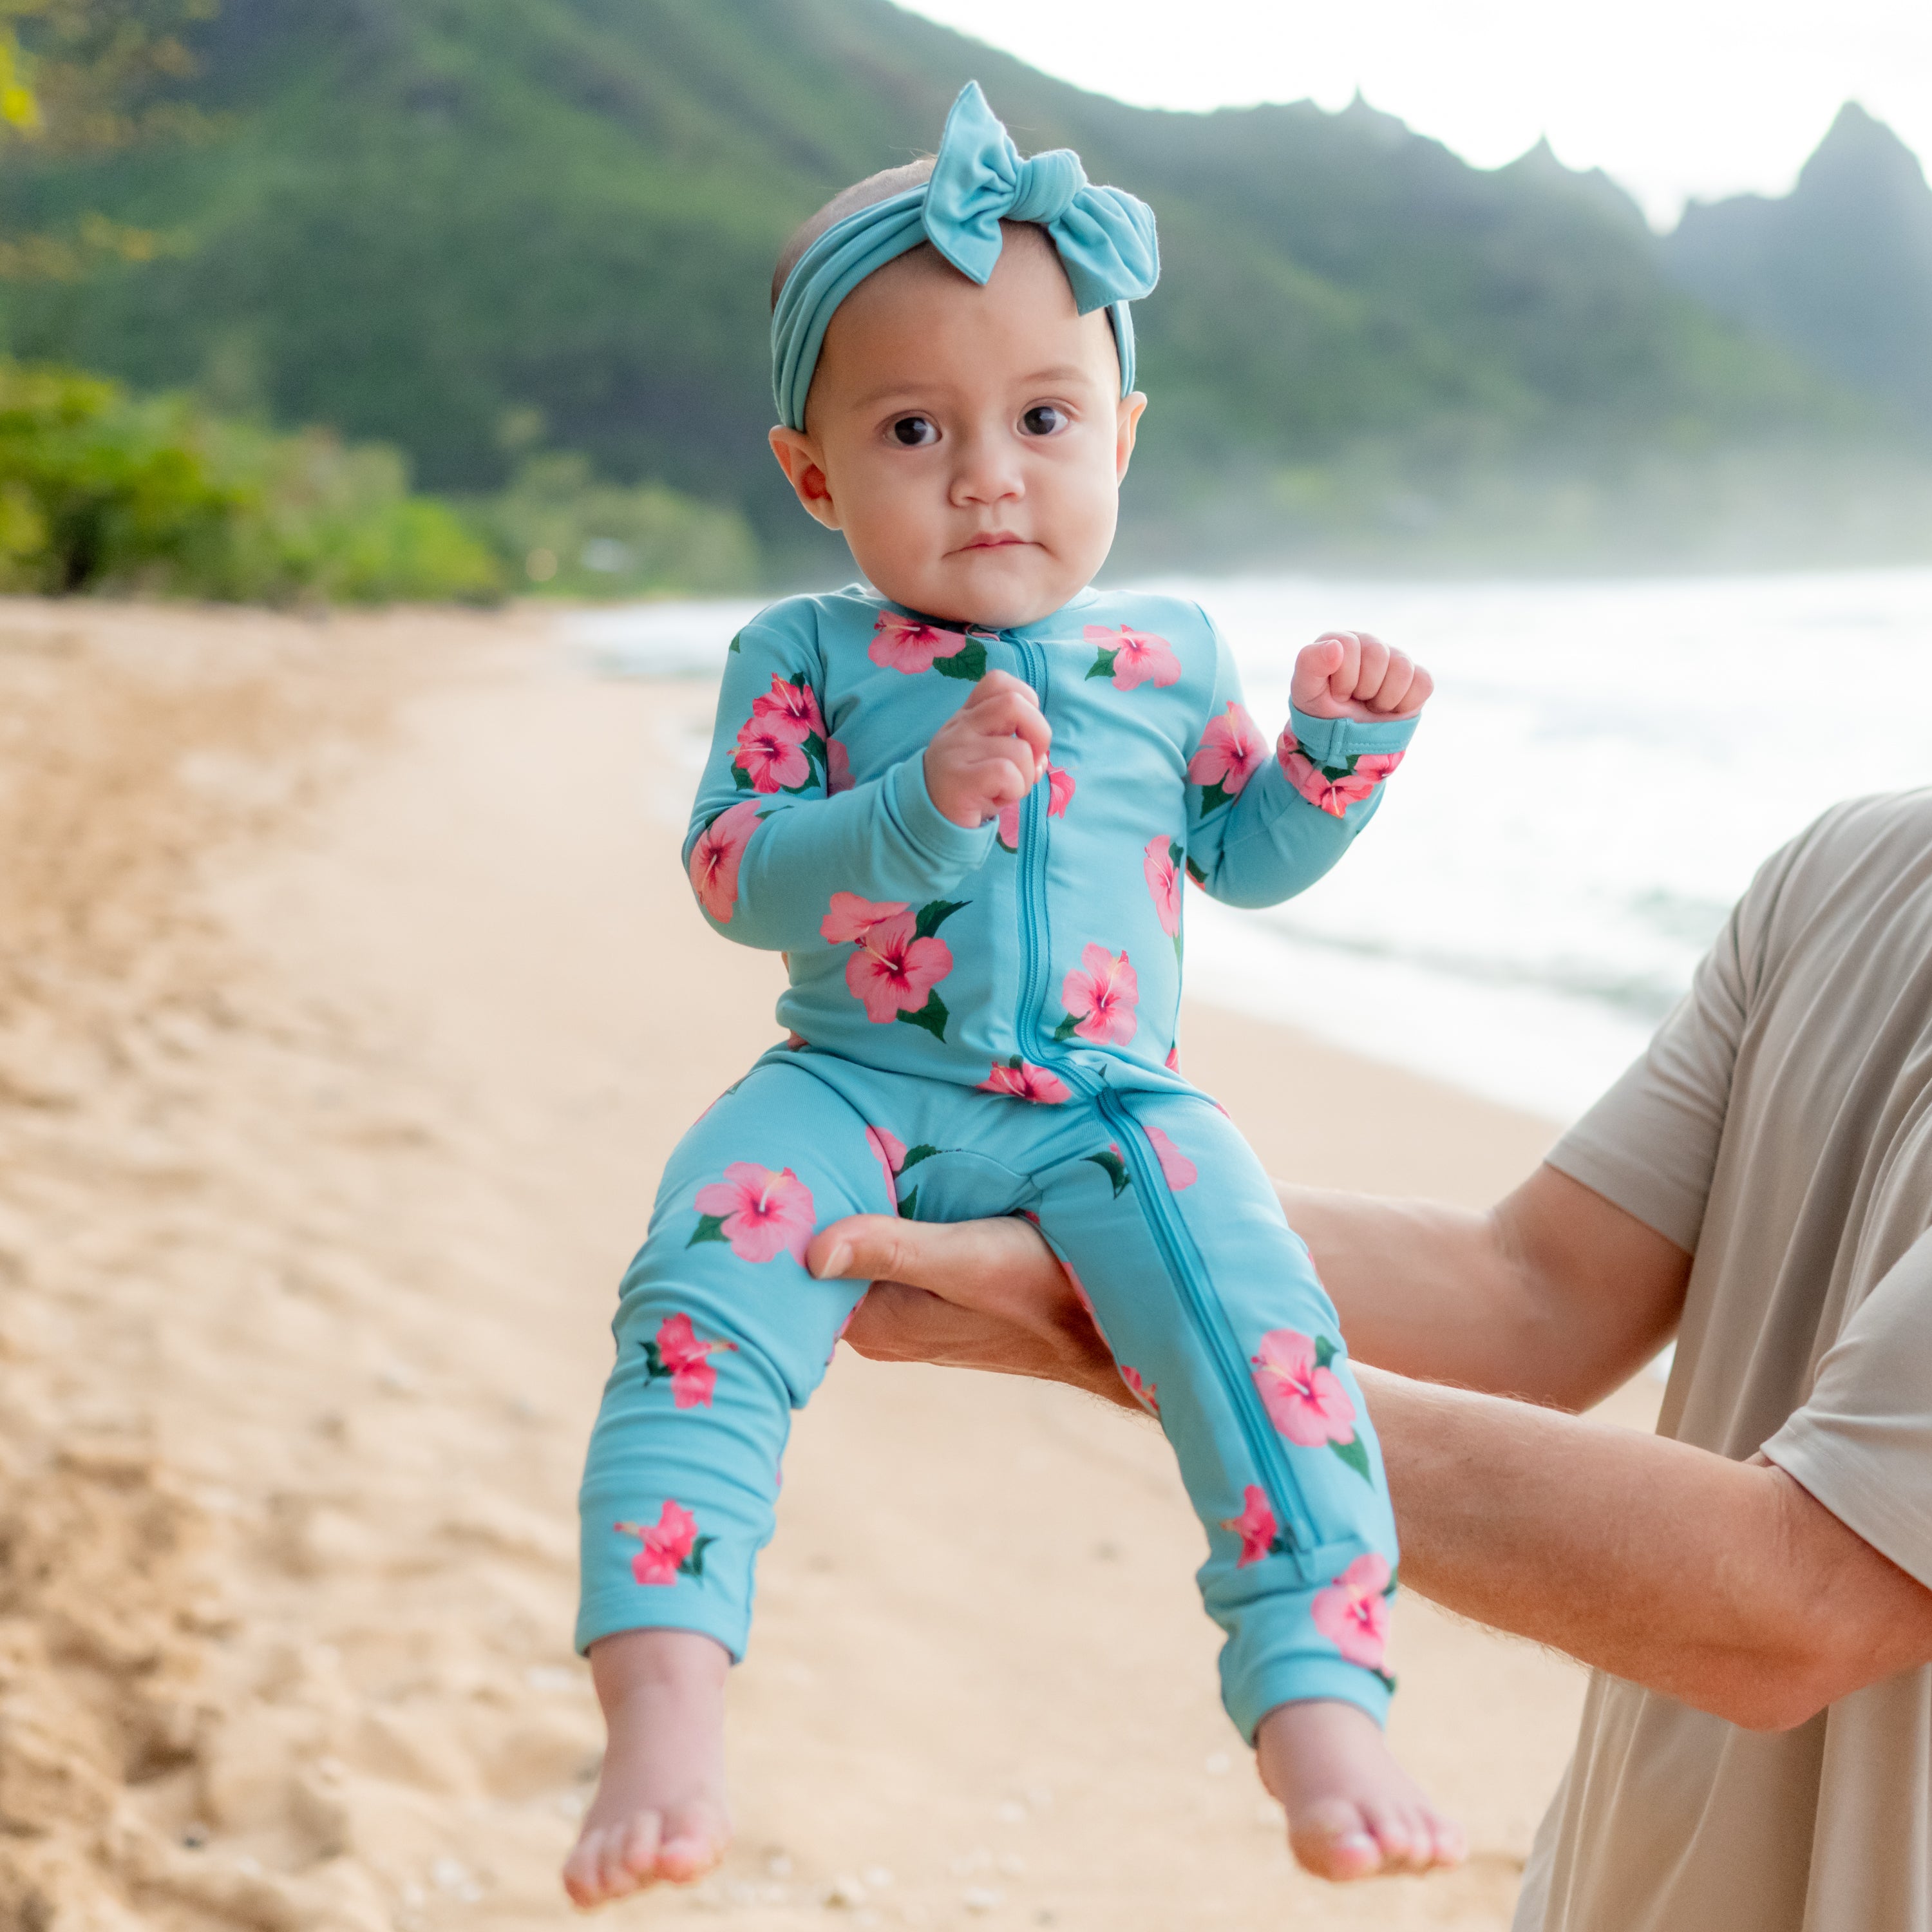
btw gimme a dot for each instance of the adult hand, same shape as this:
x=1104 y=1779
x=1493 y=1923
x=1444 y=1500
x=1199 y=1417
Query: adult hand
x=992 y=1297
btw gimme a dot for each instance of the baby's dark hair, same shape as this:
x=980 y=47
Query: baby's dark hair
x=874 y=188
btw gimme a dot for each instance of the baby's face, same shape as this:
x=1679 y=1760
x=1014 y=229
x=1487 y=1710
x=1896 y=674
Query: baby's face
x=969 y=442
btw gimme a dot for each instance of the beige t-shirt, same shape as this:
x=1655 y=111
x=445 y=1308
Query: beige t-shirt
x=1780 y=1127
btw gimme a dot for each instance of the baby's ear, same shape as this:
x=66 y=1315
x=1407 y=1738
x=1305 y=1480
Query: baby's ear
x=1127 y=427
x=798 y=456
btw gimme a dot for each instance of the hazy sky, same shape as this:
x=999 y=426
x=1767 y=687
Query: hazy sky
x=1673 y=97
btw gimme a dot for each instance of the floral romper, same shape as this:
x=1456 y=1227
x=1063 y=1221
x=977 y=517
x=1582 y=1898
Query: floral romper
x=983 y=1023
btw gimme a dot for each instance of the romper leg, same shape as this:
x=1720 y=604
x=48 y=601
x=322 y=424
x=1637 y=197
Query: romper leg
x=1211 y=1306
x=720 y=1334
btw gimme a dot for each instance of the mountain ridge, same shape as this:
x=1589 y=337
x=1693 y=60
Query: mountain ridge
x=475 y=228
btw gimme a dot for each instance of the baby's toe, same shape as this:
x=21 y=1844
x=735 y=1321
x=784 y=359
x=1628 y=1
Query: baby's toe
x=1403 y=1834
x=1333 y=1840
x=582 y=1878
x=1451 y=1847
x=695 y=1838
x=631 y=1854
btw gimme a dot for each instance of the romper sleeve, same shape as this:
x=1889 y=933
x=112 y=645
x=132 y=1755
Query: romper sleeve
x=778 y=828
x=1261 y=829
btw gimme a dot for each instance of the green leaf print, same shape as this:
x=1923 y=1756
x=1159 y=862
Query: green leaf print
x=935 y=913
x=1325 y=1351
x=1065 y=1031
x=1103 y=663
x=1354 y=1452
x=1194 y=873
x=654 y=1361
x=909 y=1207
x=1115 y=1169
x=968 y=663
x=1213 y=797
x=732 y=647
x=693 y=1565
x=710 y=1228
x=741 y=778
x=924 y=1151
x=1384 y=1675
x=932 y=1016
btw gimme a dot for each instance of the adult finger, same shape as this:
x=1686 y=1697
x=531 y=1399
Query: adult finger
x=995 y=1266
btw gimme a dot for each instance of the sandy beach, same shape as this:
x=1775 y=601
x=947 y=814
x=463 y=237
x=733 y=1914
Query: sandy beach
x=350 y=999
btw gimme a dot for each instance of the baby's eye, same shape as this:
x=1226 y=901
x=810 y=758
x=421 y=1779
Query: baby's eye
x=1044 y=419
x=915 y=432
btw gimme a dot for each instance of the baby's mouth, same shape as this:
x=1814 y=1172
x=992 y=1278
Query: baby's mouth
x=994 y=540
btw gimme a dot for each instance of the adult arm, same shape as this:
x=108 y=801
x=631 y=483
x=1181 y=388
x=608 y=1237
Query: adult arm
x=1556 y=1295
x=1726 y=1585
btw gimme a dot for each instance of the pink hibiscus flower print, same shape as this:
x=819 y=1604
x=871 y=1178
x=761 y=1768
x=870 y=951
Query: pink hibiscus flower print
x=1231 y=752
x=1059 y=791
x=1353 y=1613
x=760 y=1214
x=715 y=859
x=1256 y=1526
x=1025 y=1081
x=904 y=643
x=889 y=1150
x=892 y=970
x=672 y=1547
x=771 y=753
x=677 y=1352
x=1099 y=995
x=1173 y=1060
x=1131 y=658
x=838 y=768
x=1142 y=1392
x=851 y=918
x=1333 y=788
x=794 y=704
x=1178 y=1171
x=1161 y=862
x=1304 y=1396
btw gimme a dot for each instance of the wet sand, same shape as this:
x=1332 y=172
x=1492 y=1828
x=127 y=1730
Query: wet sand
x=350 y=999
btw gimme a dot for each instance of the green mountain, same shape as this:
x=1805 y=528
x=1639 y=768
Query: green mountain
x=1840 y=270
x=477 y=229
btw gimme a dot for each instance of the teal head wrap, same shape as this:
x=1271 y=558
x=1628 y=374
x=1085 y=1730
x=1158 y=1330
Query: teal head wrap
x=1104 y=236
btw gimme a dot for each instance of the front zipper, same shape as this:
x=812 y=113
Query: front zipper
x=1171 y=1239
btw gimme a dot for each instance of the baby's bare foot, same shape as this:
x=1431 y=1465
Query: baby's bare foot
x=659 y=1812
x=1352 y=1810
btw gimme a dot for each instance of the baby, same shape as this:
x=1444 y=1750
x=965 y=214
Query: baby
x=961 y=804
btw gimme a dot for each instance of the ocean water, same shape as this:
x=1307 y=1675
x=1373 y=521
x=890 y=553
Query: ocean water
x=1603 y=767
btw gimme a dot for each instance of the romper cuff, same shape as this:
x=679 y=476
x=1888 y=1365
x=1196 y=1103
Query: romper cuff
x=1334 y=741
x=952 y=850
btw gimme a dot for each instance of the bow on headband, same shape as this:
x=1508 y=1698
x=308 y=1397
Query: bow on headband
x=1104 y=236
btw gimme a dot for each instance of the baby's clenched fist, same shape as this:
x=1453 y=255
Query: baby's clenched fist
x=1352 y=674
x=990 y=753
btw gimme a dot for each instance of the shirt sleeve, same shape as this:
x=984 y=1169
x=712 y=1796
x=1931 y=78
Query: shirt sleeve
x=778 y=829
x=1650 y=1144
x=1862 y=1444
x=1261 y=829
